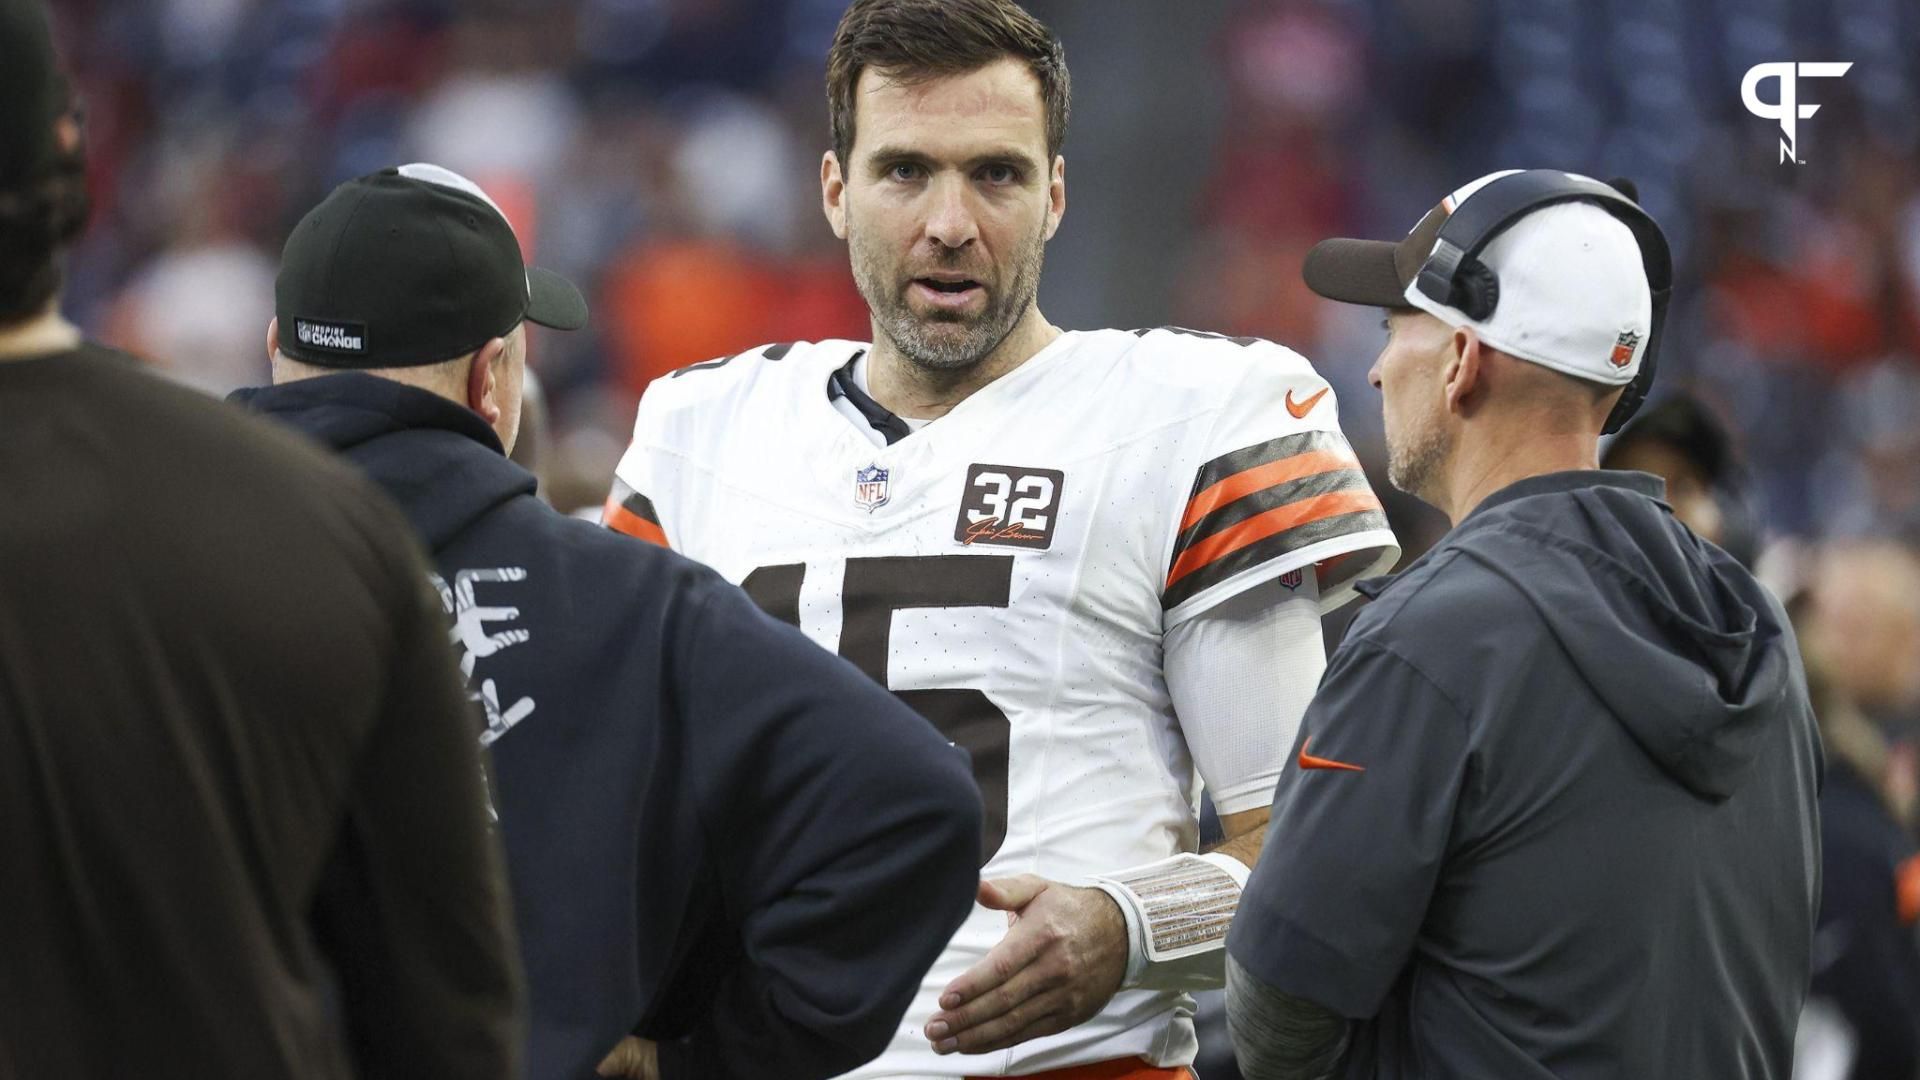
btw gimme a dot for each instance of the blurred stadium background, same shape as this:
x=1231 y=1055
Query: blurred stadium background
x=664 y=153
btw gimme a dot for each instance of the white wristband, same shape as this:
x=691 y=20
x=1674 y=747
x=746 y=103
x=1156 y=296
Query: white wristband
x=1177 y=912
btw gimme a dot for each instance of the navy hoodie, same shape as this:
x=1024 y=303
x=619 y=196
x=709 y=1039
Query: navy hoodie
x=719 y=835
x=1585 y=842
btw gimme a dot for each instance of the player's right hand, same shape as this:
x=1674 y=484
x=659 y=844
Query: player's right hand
x=1062 y=960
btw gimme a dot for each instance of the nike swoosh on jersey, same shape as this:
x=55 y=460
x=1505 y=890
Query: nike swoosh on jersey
x=1301 y=409
x=1308 y=761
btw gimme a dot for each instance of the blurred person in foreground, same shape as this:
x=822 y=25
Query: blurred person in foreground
x=719 y=836
x=1096 y=559
x=1554 y=810
x=237 y=768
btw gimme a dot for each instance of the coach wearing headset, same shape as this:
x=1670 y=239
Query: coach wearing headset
x=1552 y=811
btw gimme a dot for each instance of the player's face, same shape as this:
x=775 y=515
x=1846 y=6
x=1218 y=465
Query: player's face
x=1412 y=399
x=947 y=204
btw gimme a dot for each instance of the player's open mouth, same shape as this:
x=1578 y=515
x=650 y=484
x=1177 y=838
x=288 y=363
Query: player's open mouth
x=954 y=293
x=961 y=285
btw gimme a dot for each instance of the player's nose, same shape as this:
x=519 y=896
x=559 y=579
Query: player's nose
x=1373 y=373
x=951 y=221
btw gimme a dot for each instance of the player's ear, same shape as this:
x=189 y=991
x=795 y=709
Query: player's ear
x=1465 y=360
x=833 y=193
x=273 y=337
x=1056 y=195
x=483 y=384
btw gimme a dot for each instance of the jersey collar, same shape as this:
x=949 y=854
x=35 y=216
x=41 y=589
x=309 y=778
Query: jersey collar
x=841 y=384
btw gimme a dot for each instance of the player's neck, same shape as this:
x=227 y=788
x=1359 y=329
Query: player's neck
x=1481 y=468
x=904 y=388
x=47 y=332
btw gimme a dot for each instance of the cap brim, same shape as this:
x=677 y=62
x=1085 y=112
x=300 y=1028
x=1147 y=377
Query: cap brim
x=1355 y=272
x=554 y=301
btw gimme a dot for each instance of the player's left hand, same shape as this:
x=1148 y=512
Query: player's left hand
x=1062 y=960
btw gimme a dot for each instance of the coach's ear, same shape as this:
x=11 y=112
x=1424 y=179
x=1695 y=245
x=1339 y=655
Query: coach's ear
x=833 y=193
x=1461 y=371
x=273 y=338
x=484 y=393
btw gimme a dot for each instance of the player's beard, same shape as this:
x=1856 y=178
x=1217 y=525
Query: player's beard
x=1415 y=456
x=944 y=341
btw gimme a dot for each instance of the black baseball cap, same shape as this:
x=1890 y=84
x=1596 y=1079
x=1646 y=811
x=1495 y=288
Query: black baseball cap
x=409 y=266
x=33 y=93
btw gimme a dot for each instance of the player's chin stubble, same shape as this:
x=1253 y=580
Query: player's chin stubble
x=941 y=341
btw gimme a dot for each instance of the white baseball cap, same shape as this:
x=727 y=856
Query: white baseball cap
x=1573 y=292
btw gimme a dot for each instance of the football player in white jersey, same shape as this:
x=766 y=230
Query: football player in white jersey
x=1097 y=560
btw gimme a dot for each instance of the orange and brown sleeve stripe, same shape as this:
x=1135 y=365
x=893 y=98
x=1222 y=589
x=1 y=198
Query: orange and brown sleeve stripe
x=1264 y=502
x=633 y=515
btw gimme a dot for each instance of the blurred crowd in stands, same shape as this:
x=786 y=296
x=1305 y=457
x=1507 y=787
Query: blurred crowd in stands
x=664 y=153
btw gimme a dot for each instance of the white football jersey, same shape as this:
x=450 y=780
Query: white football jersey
x=1010 y=570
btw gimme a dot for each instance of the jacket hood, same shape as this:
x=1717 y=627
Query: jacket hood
x=1676 y=638
x=439 y=461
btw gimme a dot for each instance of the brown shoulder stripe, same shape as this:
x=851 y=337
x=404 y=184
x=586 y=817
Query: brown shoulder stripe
x=1249 y=544
x=1266 y=500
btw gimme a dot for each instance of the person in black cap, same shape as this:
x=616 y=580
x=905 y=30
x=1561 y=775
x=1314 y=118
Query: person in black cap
x=1681 y=441
x=242 y=821
x=1552 y=810
x=721 y=838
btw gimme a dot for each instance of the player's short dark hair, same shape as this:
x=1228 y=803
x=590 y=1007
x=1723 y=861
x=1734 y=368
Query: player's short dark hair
x=37 y=221
x=927 y=39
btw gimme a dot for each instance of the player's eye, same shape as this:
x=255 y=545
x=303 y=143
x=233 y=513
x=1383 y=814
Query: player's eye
x=1000 y=174
x=905 y=171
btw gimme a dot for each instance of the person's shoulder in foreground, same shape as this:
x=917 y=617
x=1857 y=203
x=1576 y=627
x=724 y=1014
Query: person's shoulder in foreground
x=1593 y=568
x=235 y=762
x=184 y=571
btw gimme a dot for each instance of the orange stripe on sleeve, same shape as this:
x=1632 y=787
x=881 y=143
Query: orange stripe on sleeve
x=1274 y=521
x=620 y=519
x=1261 y=477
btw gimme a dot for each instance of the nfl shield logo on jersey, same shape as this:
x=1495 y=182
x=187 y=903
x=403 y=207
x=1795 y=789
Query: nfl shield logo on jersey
x=870 y=488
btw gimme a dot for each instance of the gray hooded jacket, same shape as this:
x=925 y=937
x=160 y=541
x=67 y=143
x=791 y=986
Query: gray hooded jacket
x=1553 y=808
